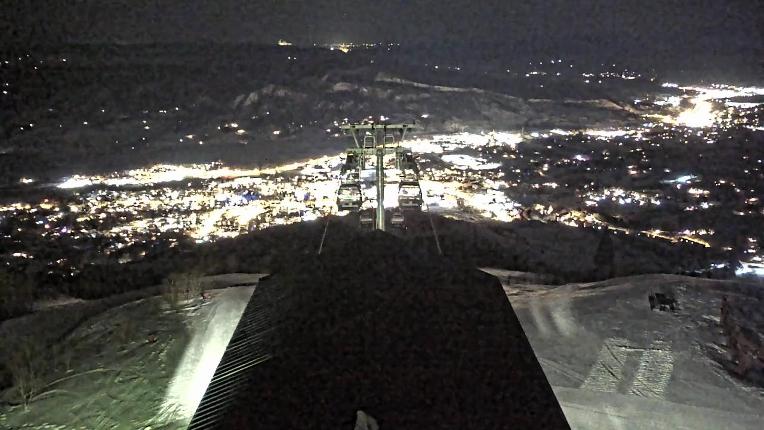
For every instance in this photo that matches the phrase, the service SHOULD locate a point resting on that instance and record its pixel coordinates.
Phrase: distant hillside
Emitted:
(106, 107)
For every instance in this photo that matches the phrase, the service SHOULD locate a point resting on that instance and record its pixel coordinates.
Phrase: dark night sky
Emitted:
(677, 26)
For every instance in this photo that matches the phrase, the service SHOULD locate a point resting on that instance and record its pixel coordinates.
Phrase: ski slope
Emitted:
(615, 364)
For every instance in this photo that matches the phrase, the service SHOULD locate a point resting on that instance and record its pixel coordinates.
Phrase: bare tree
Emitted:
(27, 365)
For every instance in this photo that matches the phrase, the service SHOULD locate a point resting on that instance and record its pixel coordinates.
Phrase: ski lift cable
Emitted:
(434, 231)
(429, 215)
(328, 218)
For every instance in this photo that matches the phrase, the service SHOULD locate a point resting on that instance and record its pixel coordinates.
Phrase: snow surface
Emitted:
(615, 364)
(118, 378)
(462, 161)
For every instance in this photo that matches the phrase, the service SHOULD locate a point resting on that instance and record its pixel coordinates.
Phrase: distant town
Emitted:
(631, 181)
(634, 180)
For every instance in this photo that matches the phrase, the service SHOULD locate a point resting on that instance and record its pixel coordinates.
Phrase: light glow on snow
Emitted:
(701, 114)
(462, 162)
(209, 340)
(607, 134)
(747, 268)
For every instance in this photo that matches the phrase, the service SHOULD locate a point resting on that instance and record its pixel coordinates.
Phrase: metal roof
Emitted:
(247, 348)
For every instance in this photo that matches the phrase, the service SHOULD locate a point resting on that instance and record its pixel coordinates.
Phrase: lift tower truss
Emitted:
(378, 140)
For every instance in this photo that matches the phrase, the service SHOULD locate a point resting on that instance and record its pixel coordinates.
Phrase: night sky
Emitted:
(676, 26)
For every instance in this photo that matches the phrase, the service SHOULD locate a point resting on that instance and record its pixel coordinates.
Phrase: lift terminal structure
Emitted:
(373, 141)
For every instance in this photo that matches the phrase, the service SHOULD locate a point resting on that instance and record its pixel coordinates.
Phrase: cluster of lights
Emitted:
(704, 103)
(622, 197)
(462, 176)
(346, 47)
(209, 201)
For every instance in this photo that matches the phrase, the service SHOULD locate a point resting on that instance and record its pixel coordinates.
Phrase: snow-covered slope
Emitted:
(141, 365)
(616, 364)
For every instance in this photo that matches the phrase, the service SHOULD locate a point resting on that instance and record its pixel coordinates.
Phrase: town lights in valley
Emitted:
(701, 114)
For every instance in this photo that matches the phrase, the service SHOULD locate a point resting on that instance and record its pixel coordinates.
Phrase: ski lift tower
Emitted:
(377, 140)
